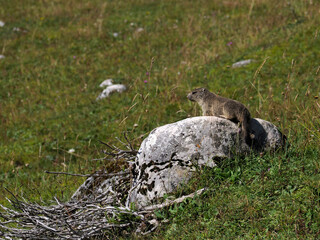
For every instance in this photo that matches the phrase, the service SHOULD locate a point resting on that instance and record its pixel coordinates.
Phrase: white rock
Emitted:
(71, 150)
(2, 56)
(110, 89)
(139, 30)
(242, 63)
(17, 29)
(107, 82)
(2, 23)
(115, 34)
(169, 155)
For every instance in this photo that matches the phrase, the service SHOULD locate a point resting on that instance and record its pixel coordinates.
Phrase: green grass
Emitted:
(51, 73)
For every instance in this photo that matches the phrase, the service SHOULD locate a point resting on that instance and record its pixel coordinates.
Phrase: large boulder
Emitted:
(170, 154)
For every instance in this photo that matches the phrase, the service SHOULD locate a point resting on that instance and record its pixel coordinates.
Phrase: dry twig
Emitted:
(85, 217)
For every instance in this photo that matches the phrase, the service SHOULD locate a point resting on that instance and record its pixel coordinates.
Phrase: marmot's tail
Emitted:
(246, 127)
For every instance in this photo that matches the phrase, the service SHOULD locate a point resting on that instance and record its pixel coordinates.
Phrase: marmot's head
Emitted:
(198, 94)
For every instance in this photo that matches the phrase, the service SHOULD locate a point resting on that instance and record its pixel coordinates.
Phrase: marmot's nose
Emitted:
(189, 96)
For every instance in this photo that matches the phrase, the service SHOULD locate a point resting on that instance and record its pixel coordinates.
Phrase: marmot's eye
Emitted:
(194, 92)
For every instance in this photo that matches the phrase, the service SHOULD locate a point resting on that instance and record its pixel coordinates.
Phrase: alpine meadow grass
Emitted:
(56, 53)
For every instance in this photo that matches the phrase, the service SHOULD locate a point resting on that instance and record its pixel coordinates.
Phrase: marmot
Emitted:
(215, 105)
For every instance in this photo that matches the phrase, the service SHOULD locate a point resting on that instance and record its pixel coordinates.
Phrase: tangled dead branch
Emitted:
(75, 220)
(91, 213)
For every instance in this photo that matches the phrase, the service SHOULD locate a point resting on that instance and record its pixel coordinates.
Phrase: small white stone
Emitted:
(2, 56)
(139, 30)
(2, 23)
(71, 150)
(115, 34)
(107, 82)
(242, 63)
(110, 89)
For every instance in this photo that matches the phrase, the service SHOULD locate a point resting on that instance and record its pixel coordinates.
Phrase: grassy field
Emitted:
(160, 50)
